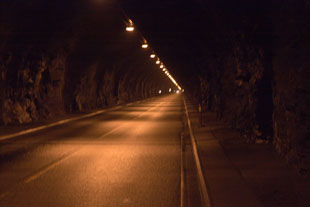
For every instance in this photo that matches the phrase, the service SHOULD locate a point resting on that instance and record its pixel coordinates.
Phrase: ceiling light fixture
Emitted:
(144, 46)
(130, 29)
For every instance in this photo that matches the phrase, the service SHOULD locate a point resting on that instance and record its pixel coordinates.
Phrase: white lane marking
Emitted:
(64, 158)
(203, 188)
(5, 137)
(51, 166)
(182, 174)
(67, 156)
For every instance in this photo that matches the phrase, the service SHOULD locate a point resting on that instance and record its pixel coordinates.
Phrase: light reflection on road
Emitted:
(128, 157)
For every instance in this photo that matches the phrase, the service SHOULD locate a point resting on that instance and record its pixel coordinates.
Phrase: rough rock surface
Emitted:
(257, 76)
(55, 60)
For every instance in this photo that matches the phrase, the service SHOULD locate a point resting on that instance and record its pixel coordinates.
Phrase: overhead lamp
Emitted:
(164, 69)
(161, 66)
(157, 62)
(130, 29)
(145, 45)
(152, 56)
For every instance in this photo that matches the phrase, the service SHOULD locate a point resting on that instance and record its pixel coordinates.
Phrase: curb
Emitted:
(202, 183)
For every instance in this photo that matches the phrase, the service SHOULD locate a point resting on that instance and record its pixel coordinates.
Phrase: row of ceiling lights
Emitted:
(130, 28)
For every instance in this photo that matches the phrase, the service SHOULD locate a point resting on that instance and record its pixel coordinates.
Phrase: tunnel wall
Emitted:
(255, 74)
(58, 57)
(248, 61)
(291, 88)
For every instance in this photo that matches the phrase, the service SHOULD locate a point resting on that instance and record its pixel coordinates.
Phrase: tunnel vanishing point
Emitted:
(247, 61)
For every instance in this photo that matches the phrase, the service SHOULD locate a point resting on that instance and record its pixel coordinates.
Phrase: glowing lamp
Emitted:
(157, 62)
(152, 56)
(144, 45)
(161, 66)
(130, 29)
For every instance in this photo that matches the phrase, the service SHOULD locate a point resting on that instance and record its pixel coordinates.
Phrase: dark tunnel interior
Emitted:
(247, 61)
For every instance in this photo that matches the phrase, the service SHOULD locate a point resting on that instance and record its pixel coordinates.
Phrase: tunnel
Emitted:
(245, 63)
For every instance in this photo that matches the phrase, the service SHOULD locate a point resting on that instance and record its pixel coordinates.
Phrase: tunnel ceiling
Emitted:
(186, 33)
(173, 28)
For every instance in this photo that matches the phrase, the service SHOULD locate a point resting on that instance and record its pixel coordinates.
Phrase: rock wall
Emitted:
(58, 57)
(32, 87)
(257, 77)
(291, 65)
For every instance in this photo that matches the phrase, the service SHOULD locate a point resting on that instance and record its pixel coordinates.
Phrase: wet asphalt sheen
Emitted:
(126, 157)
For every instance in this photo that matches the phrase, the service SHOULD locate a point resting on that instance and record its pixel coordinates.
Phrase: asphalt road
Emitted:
(126, 157)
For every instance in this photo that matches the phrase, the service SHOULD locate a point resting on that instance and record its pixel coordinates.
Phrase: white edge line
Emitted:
(182, 175)
(203, 187)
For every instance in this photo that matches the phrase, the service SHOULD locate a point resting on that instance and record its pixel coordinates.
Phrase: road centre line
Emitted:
(54, 164)
(51, 166)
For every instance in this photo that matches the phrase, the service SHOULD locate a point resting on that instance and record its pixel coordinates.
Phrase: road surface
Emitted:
(126, 157)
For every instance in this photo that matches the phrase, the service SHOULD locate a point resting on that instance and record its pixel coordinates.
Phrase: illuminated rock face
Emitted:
(39, 86)
(57, 58)
(25, 88)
